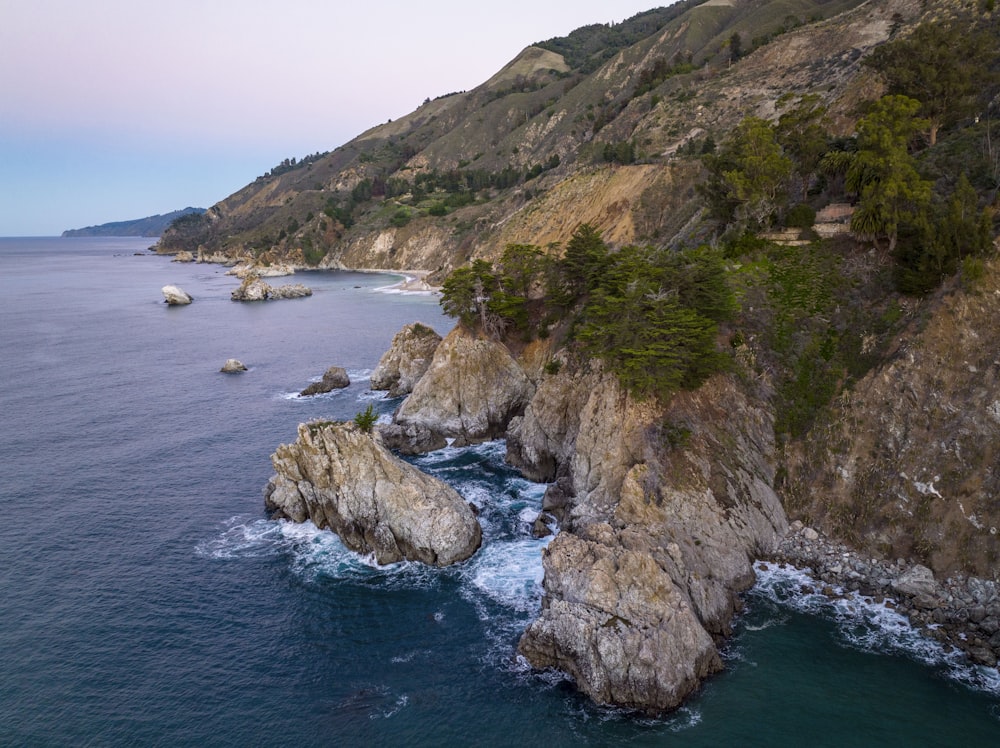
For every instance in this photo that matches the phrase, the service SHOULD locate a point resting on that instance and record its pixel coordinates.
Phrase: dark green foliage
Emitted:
(312, 254)
(400, 218)
(366, 419)
(748, 176)
(947, 68)
(587, 48)
(883, 173)
(583, 264)
(661, 70)
(802, 133)
(801, 216)
(937, 242)
(622, 152)
(438, 209)
(653, 318)
(466, 291)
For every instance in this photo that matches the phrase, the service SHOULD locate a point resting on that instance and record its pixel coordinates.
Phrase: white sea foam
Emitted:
(509, 573)
(868, 625)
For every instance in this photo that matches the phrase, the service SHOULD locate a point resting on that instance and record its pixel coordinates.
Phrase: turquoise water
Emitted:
(145, 598)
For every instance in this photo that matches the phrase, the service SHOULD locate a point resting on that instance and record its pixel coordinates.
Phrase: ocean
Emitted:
(146, 599)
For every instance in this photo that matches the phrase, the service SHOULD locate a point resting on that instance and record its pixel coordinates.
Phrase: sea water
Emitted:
(146, 599)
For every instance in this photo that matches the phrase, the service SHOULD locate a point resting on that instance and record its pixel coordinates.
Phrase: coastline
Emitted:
(961, 612)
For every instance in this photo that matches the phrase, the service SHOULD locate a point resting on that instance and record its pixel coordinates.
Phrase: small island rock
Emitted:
(343, 478)
(255, 289)
(174, 296)
(233, 366)
(334, 378)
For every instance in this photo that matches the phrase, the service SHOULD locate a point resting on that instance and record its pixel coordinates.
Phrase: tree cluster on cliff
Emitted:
(652, 315)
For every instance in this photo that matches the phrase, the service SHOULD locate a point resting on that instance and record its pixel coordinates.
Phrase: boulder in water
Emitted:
(174, 296)
(233, 366)
(334, 378)
(341, 477)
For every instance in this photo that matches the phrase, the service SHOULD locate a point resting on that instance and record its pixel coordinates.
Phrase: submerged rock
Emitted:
(233, 366)
(174, 296)
(342, 478)
(334, 378)
(407, 360)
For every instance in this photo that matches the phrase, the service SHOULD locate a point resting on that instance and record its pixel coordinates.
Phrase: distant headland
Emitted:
(149, 226)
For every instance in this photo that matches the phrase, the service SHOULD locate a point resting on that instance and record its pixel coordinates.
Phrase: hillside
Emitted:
(149, 226)
(469, 172)
(853, 223)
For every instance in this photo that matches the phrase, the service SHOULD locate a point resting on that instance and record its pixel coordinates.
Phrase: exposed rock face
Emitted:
(255, 289)
(906, 464)
(245, 269)
(183, 256)
(343, 478)
(233, 366)
(616, 622)
(408, 358)
(174, 296)
(334, 378)
(470, 392)
(544, 437)
(666, 510)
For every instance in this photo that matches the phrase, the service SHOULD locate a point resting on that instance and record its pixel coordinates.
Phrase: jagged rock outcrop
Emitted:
(667, 509)
(233, 366)
(183, 256)
(617, 623)
(255, 289)
(340, 477)
(408, 358)
(334, 378)
(470, 392)
(175, 296)
(544, 437)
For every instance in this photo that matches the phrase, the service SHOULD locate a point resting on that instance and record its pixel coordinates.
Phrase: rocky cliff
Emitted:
(340, 477)
(663, 511)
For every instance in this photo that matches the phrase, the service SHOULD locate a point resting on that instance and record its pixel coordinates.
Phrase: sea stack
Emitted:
(174, 296)
(341, 477)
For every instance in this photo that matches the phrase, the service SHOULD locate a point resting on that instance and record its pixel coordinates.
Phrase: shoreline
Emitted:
(961, 612)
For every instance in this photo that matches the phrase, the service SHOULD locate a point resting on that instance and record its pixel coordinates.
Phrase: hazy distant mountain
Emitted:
(149, 226)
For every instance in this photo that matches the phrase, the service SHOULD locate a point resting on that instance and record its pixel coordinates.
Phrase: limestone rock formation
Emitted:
(340, 477)
(665, 511)
(255, 289)
(334, 378)
(615, 620)
(408, 358)
(175, 296)
(183, 256)
(471, 391)
(233, 366)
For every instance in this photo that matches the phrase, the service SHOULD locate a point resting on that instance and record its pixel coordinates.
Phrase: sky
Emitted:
(117, 109)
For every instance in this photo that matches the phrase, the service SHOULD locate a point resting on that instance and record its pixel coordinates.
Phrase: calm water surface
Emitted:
(145, 599)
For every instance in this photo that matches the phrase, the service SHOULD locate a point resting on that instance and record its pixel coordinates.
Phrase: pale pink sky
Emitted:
(115, 109)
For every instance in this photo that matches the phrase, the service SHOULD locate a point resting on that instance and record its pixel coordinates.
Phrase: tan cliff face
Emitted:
(907, 463)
